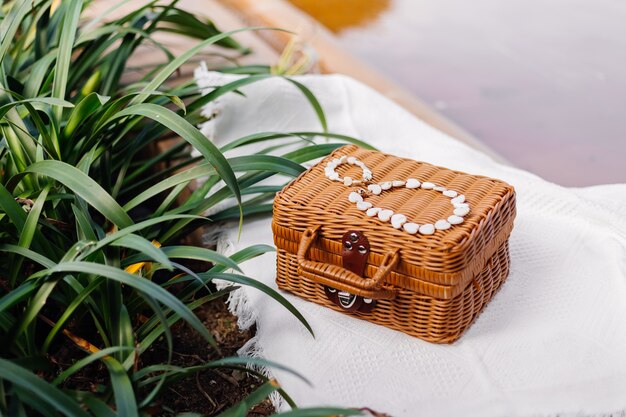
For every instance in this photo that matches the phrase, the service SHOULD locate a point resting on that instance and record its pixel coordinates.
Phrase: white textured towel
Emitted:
(551, 342)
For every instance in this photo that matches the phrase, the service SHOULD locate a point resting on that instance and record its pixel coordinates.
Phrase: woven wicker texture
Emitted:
(430, 319)
(429, 286)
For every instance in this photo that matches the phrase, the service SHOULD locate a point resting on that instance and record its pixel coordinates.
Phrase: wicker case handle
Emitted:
(342, 279)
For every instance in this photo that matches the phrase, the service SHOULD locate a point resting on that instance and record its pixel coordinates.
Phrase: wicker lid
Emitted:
(449, 258)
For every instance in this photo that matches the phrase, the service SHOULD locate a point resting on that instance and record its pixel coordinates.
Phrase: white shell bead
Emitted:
(363, 205)
(385, 215)
(373, 211)
(458, 199)
(461, 211)
(412, 183)
(355, 197)
(397, 225)
(455, 220)
(442, 225)
(411, 228)
(427, 229)
(375, 188)
(397, 220)
(398, 217)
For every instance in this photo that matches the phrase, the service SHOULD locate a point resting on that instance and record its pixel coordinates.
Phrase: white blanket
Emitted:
(551, 342)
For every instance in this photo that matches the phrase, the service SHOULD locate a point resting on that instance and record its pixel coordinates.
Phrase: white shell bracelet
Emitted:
(398, 220)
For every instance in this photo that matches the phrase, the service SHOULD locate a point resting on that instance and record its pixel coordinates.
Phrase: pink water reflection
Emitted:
(542, 83)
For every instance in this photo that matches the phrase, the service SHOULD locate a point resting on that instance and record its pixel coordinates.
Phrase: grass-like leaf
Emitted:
(258, 395)
(144, 246)
(192, 135)
(82, 185)
(78, 365)
(315, 104)
(66, 44)
(241, 279)
(142, 285)
(84, 196)
(46, 392)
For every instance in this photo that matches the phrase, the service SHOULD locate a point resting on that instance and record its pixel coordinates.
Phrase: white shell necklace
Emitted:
(398, 220)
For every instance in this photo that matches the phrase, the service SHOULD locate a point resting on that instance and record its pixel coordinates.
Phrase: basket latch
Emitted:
(355, 249)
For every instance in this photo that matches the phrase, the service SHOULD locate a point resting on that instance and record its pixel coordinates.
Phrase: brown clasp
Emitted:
(355, 249)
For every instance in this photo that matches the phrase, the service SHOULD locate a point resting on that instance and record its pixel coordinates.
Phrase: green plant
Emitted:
(89, 219)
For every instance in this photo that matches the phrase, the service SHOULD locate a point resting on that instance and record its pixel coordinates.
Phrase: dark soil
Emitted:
(212, 391)
(207, 392)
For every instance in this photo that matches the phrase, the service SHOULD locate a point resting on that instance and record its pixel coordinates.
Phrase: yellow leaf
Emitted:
(134, 268)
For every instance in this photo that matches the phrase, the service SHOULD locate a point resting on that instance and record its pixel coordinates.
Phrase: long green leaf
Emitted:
(45, 392)
(44, 100)
(144, 246)
(12, 209)
(80, 364)
(317, 107)
(28, 232)
(66, 46)
(248, 210)
(109, 239)
(154, 328)
(85, 108)
(189, 133)
(199, 171)
(140, 284)
(308, 135)
(173, 66)
(125, 400)
(246, 254)
(35, 304)
(226, 88)
(11, 23)
(241, 279)
(268, 163)
(16, 295)
(27, 253)
(189, 252)
(98, 407)
(76, 302)
(258, 395)
(82, 185)
(39, 70)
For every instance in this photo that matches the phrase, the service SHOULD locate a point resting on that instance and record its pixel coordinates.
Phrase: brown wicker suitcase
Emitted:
(405, 244)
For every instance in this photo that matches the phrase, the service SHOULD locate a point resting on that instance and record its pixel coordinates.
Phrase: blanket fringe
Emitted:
(239, 305)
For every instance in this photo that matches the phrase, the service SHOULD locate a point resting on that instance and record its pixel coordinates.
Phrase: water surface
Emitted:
(541, 82)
